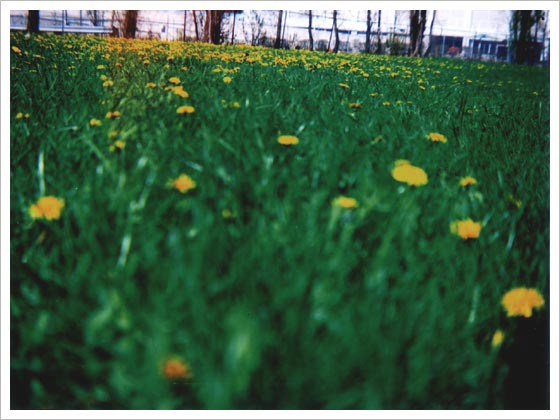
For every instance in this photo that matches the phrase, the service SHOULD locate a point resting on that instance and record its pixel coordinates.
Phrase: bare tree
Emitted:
(130, 21)
(255, 35)
(33, 21)
(417, 27)
(278, 40)
(195, 25)
(368, 32)
(310, 31)
(336, 37)
(213, 26)
(378, 49)
(430, 35)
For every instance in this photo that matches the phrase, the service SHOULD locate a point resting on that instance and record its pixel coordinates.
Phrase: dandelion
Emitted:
(355, 105)
(422, 87)
(185, 109)
(344, 86)
(174, 80)
(374, 94)
(146, 62)
(108, 83)
(403, 171)
(288, 140)
(184, 69)
(178, 90)
(345, 202)
(48, 207)
(437, 137)
(227, 79)
(118, 65)
(521, 302)
(466, 229)
(94, 122)
(183, 183)
(386, 103)
(150, 85)
(103, 77)
(114, 114)
(100, 67)
(175, 368)
(118, 145)
(19, 115)
(16, 50)
(469, 81)
(466, 181)
(498, 338)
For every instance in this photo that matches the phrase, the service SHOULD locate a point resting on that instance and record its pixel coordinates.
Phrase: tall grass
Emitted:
(272, 296)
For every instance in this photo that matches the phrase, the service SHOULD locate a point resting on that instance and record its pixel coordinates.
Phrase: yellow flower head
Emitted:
(151, 85)
(386, 103)
(288, 140)
(19, 115)
(174, 368)
(466, 229)
(466, 181)
(183, 183)
(114, 114)
(94, 122)
(48, 207)
(108, 83)
(100, 67)
(174, 80)
(16, 50)
(498, 338)
(345, 202)
(355, 105)
(185, 109)
(118, 145)
(521, 302)
(227, 79)
(178, 90)
(344, 86)
(437, 137)
(403, 171)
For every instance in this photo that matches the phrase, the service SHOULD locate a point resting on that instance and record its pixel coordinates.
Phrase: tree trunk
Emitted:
(310, 31)
(368, 32)
(336, 37)
(130, 20)
(195, 26)
(213, 26)
(378, 50)
(430, 36)
(279, 30)
(417, 27)
(33, 21)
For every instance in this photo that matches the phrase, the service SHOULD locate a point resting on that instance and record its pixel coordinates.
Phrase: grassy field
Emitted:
(183, 257)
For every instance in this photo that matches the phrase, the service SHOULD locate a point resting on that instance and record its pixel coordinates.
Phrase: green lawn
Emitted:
(270, 295)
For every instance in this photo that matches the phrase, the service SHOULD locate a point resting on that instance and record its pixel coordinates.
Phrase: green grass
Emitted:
(292, 303)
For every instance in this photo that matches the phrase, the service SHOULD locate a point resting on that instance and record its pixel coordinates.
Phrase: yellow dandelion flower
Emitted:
(108, 83)
(466, 181)
(19, 115)
(118, 145)
(422, 87)
(227, 79)
(288, 140)
(344, 86)
(345, 202)
(48, 207)
(374, 94)
(235, 104)
(437, 137)
(95, 122)
(386, 103)
(498, 338)
(146, 62)
(184, 69)
(355, 105)
(26, 116)
(150, 85)
(174, 80)
(16, 50)
(118, 65)
(100, 67)
(521, 302)
(114, 114)
(183, 183)
(466, 229)
(403, 171)
(103, 77)
(469, 81)
(175, 368)
(185, 109)
(178, 90)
